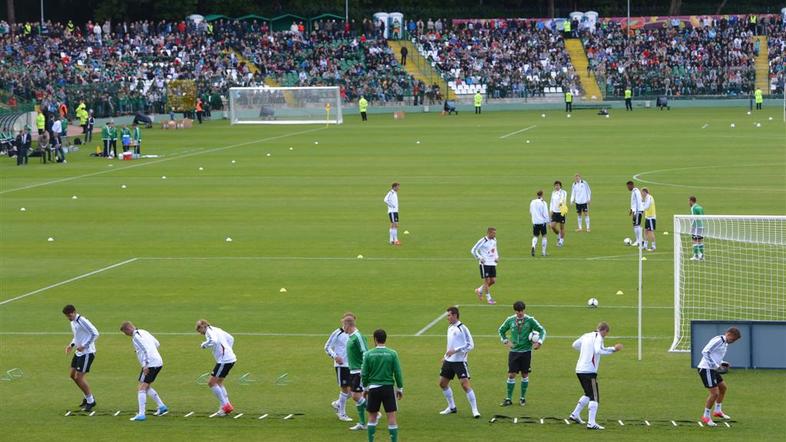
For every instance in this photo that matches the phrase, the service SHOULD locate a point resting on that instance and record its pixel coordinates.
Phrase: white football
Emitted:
(732, 125)
(534, 336)
(626, 241)
(592, 303)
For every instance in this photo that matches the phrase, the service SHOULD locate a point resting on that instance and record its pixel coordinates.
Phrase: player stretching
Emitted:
(697, 230)
(454, 363)
(635, 212)
(146, 347)
(381, 370)
(391, 200)
(485, 251)
(336, 348)
(356, 347)
(580, 194)
(84, 342)
(711, 360)
(648, 205)
(520, 326)
(559, 209)
(221, 342)
(590, 346)
(540, 218)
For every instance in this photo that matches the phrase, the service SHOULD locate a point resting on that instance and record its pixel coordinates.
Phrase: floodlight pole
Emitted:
(627, 26)
(346, 11)
(42, 14)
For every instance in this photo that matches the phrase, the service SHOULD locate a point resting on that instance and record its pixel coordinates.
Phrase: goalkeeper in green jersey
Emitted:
(356, 347)
(526, 334)
(697, 230)
(380, 372)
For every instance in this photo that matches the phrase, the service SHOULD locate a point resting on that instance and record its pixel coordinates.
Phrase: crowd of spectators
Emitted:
(717, 58)
(776, 42)
(513, 58)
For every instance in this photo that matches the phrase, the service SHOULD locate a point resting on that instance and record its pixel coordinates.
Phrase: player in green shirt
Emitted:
(697, 230)
(521, 345)
(381, 370)
(356, 347)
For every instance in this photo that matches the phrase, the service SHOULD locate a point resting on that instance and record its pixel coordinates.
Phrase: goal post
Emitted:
(285, 105)
(740, 273)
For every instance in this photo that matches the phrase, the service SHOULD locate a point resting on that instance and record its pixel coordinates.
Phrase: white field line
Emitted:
(307, 335)
(432, 323)
(517, 132)
(147, 163)
(638, 178)
(626, 257)
(75, 278)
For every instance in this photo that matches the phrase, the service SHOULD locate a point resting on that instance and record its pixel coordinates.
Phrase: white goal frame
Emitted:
(322, 113)
(680, 223)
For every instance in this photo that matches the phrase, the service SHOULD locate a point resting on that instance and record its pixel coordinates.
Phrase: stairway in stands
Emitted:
(580, 62)
(419, 67)
(763, 66)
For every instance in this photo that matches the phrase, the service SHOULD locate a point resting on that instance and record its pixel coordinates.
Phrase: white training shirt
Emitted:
(391, 199)
(591, 347)
(635, 200)
(85, 335)
(646, 203)
(485, 250)
(558, 197)
(580, 193)
(539, 211)
(221, 342)
(460, 341)
(336, 345)
(713, 353)
(57, 127)
(146, 347)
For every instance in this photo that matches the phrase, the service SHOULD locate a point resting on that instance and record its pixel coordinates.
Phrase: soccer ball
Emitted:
(732, 125)
(592, 303)
(534, 336)
(626, 241)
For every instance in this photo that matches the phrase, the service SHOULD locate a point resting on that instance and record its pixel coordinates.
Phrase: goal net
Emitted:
(285, 105)
(739, 274)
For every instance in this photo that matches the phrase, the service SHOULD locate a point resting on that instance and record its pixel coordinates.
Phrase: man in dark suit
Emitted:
(23, 141)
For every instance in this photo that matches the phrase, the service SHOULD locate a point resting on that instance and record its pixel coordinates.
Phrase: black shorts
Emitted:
(384, 396)
(488, 271)
(637, 219)
(393, 217)
(582, 208)
(539, 229)
(697, 233)
(519, 362)
(152, 373)
(342, 376)
(457, 369)
(355, 383)
(589, 383)
(649, 224)
(83, 363)
(222, 370)
(557, 217)
(710, 378)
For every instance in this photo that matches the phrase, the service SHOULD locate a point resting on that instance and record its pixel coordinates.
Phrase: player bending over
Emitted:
(146, 347)
(221, 342)
(454, 363)
(711, 361)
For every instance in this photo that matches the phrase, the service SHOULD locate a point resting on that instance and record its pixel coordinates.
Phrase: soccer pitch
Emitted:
(155, 253)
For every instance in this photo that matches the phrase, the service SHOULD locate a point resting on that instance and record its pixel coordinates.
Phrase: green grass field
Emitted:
(300, 217)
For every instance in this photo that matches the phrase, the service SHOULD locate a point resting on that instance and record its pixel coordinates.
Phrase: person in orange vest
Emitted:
(199, 110)
(63, 109)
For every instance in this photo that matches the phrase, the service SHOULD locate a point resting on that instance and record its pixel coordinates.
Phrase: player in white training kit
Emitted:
(590, 346)
(221, 343)
(559, 208)
(636, 212)
(485, 251)
(711, 362)
(454, 363)
(391, 200)
(84, 344)
(146, 347)
(581, 195)
(540, 219)
(336, 349)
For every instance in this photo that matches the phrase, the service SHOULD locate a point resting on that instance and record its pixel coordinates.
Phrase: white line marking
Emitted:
(175, 157)
(674, 423)
(308, 335)
(289, 416)
(68, 413)
(515, 420)
(214, 414)
(431, 324)
(190, 413)
(517, 132)
(541, 421)
(76, 278)
(263, 416)
(92, 413)
(565, 306)
(238, 416)
(117, 413)
(638, 176)
(727, 424)
(566, 422)
(621, 424)
(700, 424)
(366, 258)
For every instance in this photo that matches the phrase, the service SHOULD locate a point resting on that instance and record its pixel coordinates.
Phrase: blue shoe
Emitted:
(162, 410)
(139, 418)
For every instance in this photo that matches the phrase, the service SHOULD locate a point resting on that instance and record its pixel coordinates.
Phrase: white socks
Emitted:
(579, 218)
(219, 392)
(718, 408)
(543, 243)
(393, 234)
(472, 401)
(637, 231)
(342, 403)
(226, 395)
(586, 219)
(390, 235)
(534, 241)
(583, 401)
(154, 395)
(448, 393)
(707, 413)
(593, 411)
(90, 399)
(141, 397)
